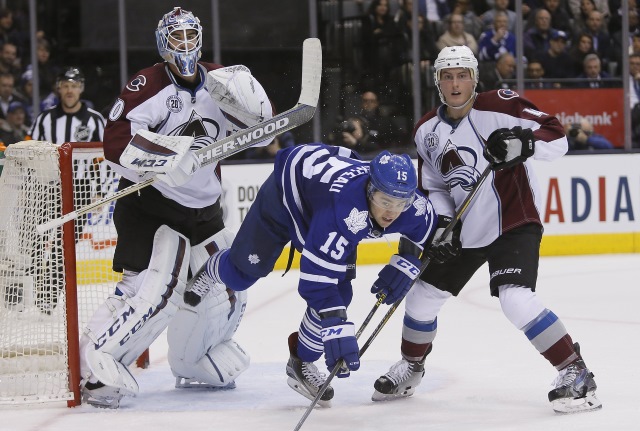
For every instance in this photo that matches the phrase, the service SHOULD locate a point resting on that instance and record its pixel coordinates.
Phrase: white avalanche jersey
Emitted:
(450, 161)
(154, 101)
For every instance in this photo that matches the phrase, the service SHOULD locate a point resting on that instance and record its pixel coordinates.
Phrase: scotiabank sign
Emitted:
(602, 107)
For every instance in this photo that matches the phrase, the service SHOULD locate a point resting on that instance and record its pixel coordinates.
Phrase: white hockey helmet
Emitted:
(452, 57)
(175, 44)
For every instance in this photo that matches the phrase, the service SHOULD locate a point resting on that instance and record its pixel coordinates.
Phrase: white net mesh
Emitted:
(34, 365)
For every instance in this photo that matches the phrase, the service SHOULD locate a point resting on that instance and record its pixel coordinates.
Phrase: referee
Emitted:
(71, 120)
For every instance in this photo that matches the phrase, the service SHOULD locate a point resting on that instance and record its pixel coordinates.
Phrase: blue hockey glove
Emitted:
(396, 278)
(508, 147)
(340, 342)
(443, 250)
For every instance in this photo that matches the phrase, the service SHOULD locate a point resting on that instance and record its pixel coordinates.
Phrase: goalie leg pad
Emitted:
(111, 372)
(218, 368)
(125, 327)
(195, 331)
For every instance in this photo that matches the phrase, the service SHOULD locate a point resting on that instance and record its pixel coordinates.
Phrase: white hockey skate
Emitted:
(305, 378)
(101, 396)
(400, 381)
(186, 383)
(574, 389)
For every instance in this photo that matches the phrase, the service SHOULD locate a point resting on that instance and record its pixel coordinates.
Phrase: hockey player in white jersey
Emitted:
(502, 226)
(325, 201)
(167, 230)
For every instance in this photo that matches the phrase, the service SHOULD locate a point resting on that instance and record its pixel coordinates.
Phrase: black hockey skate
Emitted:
(400, 381)
(304, 377)
(574, 388)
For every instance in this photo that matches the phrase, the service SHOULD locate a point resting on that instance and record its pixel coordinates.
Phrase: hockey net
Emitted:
(51, 284)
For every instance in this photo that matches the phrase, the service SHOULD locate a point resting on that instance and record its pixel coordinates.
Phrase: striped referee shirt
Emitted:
(54, 125)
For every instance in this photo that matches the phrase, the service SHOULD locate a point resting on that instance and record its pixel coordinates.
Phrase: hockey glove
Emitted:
(442, 250)
(396, 277)
(183, 172)
(338, 337)
(508, 147)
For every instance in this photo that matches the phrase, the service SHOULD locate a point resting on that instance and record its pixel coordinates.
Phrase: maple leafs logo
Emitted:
(253, 259)
(357, 220)
(420, 204)
(384, 159)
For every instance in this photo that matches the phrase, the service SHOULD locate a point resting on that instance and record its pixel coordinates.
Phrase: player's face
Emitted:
(456, 85)
(182, 40)
(385, 209)
(70, 92)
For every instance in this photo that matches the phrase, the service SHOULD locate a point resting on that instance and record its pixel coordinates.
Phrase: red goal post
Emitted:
(51, 284)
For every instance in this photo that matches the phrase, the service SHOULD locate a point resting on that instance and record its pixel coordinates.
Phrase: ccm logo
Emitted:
(408, 266)
(330, 331)
(149, 163)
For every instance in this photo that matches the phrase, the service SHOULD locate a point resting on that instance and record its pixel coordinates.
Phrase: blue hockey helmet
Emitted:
(179, 39)
(393, 175)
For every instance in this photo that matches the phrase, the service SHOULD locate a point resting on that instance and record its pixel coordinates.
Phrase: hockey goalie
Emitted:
(166, 232)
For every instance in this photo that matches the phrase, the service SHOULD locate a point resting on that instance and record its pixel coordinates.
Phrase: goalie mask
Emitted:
(179, 39)
(453, 57)
(395, 177)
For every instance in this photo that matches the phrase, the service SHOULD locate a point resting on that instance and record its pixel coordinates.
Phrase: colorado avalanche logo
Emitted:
(431, 141)
(507, 94)
(137, 82)
(454, 170)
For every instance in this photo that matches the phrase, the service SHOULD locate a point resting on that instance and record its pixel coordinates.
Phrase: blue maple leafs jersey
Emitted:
(324, 191)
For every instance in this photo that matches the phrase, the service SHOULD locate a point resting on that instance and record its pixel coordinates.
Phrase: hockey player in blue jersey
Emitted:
(325, 200)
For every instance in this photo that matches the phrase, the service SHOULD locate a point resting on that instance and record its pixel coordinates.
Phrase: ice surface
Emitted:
(482, 375)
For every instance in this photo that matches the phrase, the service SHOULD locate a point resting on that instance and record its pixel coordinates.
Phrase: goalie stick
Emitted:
(301, 113)
(458, 216)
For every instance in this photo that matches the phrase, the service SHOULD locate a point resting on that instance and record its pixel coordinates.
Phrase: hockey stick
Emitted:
(458, 216)
(302, 112)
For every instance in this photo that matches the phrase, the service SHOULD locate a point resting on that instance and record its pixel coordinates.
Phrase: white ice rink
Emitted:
(483, 374)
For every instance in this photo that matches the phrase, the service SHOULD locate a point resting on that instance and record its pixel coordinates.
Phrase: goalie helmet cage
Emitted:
(51, 284)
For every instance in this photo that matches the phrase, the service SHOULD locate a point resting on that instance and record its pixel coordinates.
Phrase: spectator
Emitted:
(498, 40)
(578, 51)
(9, 61)
(593, 74)
(634, 97)
(456, 36)
(7, 95)
(435, 11)
(353, 133)
(472, 23)
(617, 35)
(581, 137)
(382, 43)
(535, 76)
(428, 49)
(47, 69)
(556, 61)
(493, 75)
(13, 128)
(601, 39)
(585, 7)
(577, 7)
(25, 93)
(536, 39)
(8, 32)
(382, 131)
(560, 19)
(499, 6)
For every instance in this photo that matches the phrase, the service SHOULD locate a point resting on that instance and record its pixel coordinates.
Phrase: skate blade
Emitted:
(379, 396)
(296, 386)
(577, 405)
(184, 383)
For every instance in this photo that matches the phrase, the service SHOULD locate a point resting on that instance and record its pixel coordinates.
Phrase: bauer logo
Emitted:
(225, 148)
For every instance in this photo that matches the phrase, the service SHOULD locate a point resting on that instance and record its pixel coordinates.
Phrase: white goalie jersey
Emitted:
(156, 101)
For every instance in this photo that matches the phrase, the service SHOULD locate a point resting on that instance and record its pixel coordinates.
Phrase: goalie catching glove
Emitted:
(396, 278)
(239, 95)
(338, 337)
(508, 147)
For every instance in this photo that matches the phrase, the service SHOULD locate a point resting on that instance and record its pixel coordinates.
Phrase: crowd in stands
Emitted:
(567, 44)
